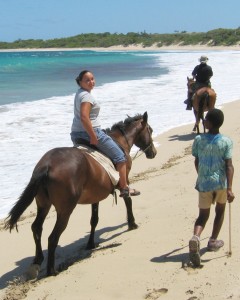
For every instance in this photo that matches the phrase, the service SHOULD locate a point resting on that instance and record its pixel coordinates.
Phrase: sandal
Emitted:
(194, 254)
(215, 245)
(129, 192)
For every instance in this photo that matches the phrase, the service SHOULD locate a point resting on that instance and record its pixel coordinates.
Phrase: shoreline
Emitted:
(135, 48)
(139, 168)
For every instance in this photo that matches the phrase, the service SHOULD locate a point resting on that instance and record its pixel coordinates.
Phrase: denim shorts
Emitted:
(105, 144)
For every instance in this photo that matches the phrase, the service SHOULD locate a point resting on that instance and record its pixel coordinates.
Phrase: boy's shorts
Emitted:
(207, 198)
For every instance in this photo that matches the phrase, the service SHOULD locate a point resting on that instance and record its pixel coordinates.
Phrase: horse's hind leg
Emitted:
(93, 222)
(196, 125)
(37, 233)
(130, 218)
(60, 226)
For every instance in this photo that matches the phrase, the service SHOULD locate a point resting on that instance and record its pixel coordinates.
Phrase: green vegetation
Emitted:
(217, 37)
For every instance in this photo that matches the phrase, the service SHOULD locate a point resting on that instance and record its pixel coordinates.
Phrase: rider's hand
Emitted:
(93, 140)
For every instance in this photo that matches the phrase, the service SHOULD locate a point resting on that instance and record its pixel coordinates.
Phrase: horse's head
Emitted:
(134, 131)
(143, 139)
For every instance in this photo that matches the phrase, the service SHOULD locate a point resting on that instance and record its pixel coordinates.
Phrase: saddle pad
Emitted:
(104, 161)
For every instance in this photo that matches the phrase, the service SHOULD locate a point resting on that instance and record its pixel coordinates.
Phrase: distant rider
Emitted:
(202, 74)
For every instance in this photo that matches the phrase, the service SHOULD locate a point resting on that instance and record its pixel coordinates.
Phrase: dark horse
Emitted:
(203, 100)
(65, 177)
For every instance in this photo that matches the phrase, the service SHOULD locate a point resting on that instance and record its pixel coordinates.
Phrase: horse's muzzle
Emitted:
(151, 152)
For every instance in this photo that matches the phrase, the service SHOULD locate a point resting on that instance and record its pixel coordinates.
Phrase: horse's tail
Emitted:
(26, 198)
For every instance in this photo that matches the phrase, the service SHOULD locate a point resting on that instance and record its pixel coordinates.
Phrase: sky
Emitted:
(49, 19)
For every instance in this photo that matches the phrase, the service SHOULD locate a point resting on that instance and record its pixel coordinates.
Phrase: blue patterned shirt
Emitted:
(212, 150)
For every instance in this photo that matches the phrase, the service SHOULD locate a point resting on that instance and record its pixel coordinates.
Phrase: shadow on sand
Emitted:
(65, 256)
(183, 138)
(182, 258)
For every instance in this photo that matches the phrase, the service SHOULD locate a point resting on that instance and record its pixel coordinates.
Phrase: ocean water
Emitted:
(37, 91)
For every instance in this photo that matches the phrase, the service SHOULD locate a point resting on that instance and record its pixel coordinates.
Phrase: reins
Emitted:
(143, 151)
(124, 134)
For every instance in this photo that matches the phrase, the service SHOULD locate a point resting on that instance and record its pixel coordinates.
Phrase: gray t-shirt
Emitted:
(80, 97)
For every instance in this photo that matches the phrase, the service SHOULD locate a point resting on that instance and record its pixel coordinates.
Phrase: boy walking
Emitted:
(213, 163)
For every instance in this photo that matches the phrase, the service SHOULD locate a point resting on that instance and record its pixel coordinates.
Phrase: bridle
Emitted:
(143, 150)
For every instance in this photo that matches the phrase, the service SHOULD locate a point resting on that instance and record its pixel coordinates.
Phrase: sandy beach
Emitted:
(150, 262)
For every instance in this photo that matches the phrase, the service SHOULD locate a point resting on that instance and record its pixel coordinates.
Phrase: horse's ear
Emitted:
(187, 78)
(145, 117)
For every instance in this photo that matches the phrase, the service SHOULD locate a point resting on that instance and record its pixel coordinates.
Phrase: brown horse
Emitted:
(65, 177)
(203, 100)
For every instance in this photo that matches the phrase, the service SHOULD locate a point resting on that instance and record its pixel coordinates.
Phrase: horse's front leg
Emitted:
(93, 222)
(130, 218)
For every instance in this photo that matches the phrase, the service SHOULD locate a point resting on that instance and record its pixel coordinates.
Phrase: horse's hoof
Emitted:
(132, 226)
(32, 272)
(52, 272)
(91, 246)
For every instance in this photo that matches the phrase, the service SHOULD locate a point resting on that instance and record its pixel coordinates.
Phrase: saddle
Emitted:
(84, 142)
(101, 158)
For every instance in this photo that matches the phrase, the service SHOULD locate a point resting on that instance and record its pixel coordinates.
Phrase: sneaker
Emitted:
(194, 254)
(215, 245)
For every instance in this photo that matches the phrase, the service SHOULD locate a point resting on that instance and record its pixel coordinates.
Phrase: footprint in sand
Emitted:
(156, 293)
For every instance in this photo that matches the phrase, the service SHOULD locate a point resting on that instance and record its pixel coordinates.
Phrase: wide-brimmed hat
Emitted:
(203, 59)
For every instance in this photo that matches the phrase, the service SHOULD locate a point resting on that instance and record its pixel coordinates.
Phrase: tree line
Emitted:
(216, 37)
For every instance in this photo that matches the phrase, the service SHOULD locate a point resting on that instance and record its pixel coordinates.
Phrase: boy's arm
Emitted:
(196, 163)
(229, 174)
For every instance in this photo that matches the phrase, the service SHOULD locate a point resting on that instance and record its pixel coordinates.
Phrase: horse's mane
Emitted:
(124, 124)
